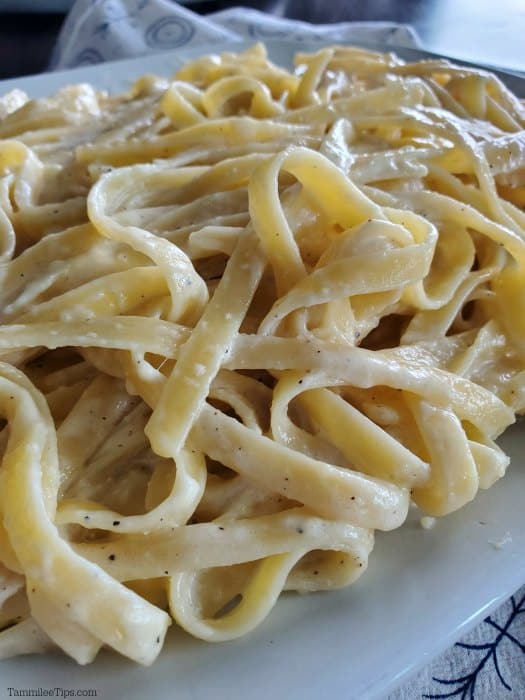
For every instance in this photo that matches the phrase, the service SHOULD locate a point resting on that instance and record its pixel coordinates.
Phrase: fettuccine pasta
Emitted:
(248, 316)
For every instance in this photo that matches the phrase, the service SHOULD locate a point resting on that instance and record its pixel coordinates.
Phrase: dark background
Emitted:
(485, 31)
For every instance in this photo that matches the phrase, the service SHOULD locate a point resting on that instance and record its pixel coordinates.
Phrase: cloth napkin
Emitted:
(489, 663)
(105, 30)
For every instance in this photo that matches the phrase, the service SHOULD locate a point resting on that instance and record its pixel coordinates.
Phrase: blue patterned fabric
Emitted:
(488, 663)
(105, 30)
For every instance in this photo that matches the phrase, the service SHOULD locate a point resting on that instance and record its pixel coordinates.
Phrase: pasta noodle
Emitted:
(248, 316)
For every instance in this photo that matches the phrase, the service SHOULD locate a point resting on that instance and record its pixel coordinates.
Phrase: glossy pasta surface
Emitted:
(247, 317)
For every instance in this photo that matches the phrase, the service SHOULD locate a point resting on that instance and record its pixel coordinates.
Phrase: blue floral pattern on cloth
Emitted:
(489, 662)
(88, 57)
(115, 29)
(169, 33)
(485, 654)
(115, 13)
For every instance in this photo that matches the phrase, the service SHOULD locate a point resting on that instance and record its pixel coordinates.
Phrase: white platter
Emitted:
(423, 589)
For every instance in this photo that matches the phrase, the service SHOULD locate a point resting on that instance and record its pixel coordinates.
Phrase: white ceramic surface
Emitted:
(423, 588)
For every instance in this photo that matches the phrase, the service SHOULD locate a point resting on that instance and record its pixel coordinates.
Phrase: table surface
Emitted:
(484, 31)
